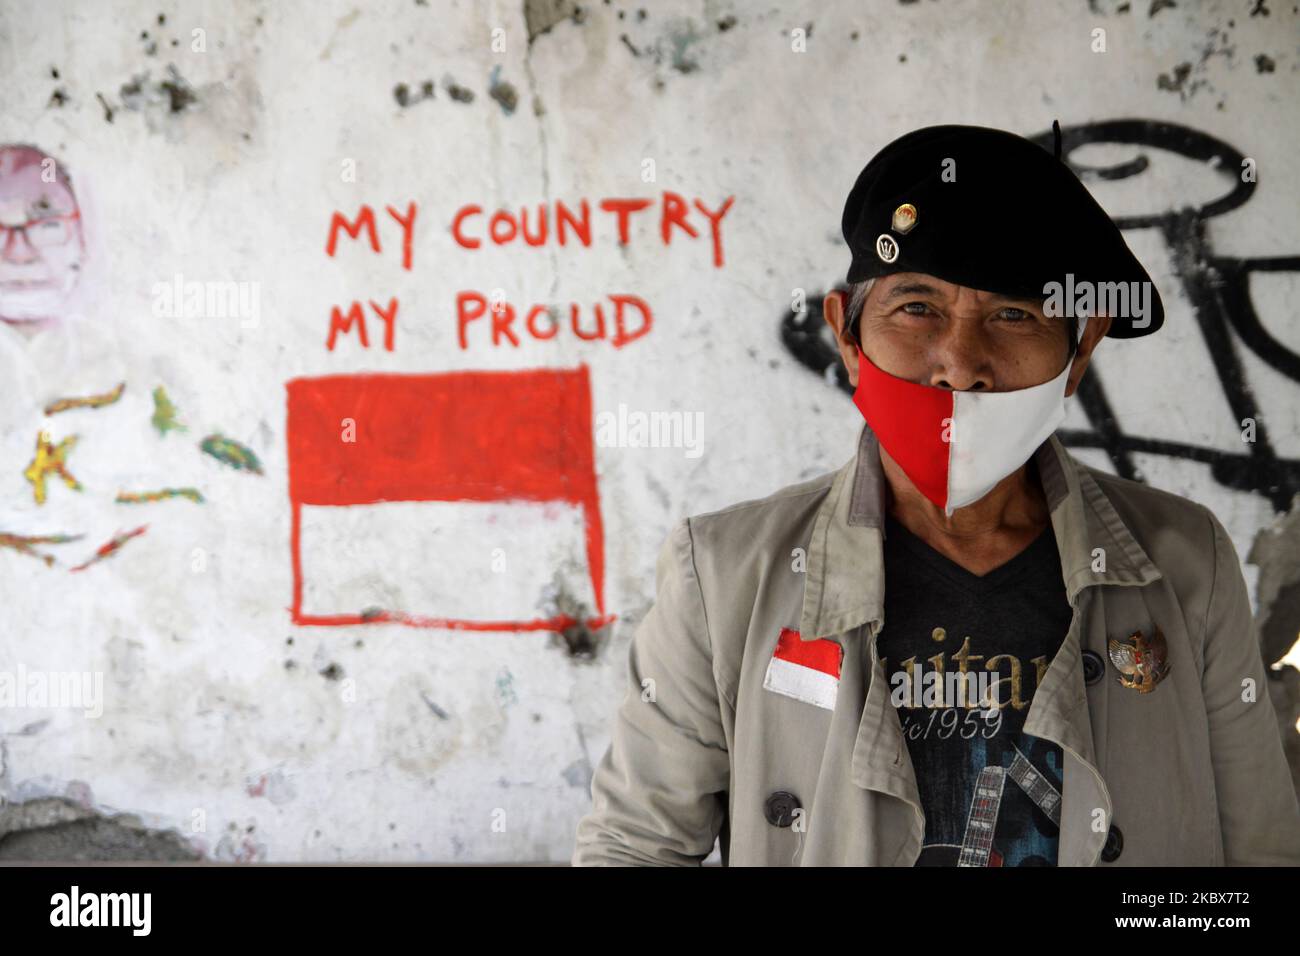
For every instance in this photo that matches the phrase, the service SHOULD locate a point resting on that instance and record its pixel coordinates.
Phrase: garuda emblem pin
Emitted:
(1140, 661)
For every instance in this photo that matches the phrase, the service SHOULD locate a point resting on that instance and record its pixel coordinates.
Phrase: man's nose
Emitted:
(17, 248)
(960, 360)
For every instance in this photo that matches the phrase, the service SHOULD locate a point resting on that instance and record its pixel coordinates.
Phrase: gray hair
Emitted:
(857, 299)
(858, 291)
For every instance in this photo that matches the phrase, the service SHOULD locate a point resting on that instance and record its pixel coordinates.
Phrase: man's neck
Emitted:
(982, 535)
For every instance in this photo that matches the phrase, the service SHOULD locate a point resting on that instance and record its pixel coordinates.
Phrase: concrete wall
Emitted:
(352, 710)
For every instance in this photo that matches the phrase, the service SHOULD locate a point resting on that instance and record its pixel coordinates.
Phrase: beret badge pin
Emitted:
(1140, 662)
(886, 247)
(904, 219)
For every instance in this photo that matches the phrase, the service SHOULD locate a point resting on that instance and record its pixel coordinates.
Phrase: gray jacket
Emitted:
(1191, 773)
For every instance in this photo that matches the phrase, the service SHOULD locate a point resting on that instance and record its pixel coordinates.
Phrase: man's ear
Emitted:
(1093, 333)
(834, 312)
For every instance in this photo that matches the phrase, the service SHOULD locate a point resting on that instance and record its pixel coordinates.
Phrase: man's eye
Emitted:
(1015, 315)
(921, 305)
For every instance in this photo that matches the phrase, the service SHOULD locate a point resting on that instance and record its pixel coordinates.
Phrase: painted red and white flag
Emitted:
(805, 670)
(442, 500)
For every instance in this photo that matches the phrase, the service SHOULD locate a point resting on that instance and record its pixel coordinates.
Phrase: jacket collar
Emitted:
(845, 583)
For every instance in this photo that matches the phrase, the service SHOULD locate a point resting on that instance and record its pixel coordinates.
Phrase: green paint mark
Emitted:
(506, 687)
(164, 413)
(232, 453)
(143, 497)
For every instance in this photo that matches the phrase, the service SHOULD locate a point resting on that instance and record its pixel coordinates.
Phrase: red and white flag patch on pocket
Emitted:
(805, 670)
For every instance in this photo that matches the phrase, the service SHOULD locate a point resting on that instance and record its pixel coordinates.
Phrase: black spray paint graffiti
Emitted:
(1218, 288)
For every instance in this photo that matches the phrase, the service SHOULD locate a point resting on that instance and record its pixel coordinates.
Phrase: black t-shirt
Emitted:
(990, 792)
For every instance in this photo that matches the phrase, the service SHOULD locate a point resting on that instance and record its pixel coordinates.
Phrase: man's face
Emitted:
(41, 245)
(932, 332)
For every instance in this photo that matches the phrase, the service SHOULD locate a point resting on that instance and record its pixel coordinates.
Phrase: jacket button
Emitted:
(1094, 668)
(1114, 845)
(780, 807)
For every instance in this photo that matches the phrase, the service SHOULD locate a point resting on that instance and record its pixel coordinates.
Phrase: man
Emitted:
(42, 246)
(1063, 670)
(44, 258)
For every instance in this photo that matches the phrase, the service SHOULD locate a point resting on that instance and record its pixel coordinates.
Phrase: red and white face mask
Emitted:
(955, 446)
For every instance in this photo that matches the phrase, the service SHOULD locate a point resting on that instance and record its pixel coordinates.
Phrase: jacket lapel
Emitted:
(1096, 548)
(844, 586)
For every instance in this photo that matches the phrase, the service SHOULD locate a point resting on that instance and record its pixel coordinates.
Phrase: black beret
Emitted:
(988, 209)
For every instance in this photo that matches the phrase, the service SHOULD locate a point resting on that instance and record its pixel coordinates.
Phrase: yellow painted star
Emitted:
(50, 459)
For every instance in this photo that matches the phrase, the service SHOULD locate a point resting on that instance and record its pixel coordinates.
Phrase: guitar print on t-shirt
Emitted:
(964, 654)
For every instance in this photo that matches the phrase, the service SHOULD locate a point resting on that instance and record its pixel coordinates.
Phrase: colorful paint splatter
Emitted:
(49, 460)
(164, 413)
(111, 547)
(23, 543)
(144, 497)
(232, 453)
(91, 401)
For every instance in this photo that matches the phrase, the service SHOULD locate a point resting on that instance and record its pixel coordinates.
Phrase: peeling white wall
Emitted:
(265, 740)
